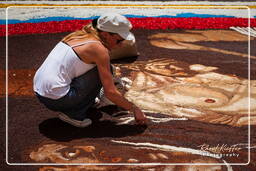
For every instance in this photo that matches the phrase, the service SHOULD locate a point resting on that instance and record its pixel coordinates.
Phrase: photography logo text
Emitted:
(220, 150)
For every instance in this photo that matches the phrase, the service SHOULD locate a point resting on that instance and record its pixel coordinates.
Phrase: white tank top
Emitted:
(54, 76)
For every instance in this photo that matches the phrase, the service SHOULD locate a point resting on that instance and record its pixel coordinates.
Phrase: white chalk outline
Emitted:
(61, 164)
(184, 3)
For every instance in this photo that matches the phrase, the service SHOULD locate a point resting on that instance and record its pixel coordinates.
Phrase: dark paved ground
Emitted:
(31, 125)
(161, 0)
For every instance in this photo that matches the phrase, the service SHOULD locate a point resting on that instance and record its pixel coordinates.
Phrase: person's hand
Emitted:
(139, 116)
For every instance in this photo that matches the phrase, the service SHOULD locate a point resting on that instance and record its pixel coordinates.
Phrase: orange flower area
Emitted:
(58, 153)
(20, 82)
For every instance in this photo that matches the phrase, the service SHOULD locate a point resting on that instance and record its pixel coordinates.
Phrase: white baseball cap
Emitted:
(116, 23)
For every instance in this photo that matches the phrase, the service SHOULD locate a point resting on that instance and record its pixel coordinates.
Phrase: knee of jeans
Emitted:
(112, 69)
(48, 105)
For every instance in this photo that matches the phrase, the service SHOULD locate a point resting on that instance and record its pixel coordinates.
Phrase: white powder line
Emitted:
(129, 119)
(171, 148)
(158, 120)
(120, 112)
(179, 111)
(187, 3)
(245, 30)
(125, 120)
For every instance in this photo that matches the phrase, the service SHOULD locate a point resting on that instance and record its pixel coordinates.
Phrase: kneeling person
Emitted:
(78, 67)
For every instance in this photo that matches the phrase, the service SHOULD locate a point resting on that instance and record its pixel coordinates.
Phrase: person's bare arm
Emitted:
(102, 60)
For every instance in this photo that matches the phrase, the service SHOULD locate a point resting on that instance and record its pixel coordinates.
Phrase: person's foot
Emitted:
(84, 123)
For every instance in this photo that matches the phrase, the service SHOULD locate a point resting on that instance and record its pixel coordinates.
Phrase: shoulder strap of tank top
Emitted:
(90, 41)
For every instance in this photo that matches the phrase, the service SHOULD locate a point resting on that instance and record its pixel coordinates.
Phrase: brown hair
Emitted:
(87, 31)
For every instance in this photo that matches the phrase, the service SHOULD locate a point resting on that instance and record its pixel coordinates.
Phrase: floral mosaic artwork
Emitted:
(198, 112)
(169, 91)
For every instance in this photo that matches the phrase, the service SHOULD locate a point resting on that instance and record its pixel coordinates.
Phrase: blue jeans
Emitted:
(81, 96)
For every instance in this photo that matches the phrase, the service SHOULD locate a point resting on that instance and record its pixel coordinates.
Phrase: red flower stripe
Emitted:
(190, 23)
(138, 23)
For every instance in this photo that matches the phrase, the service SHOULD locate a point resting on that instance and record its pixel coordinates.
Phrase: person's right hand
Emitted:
(140, 117)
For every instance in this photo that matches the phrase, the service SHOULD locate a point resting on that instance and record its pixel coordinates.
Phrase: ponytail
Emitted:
(86, 31)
